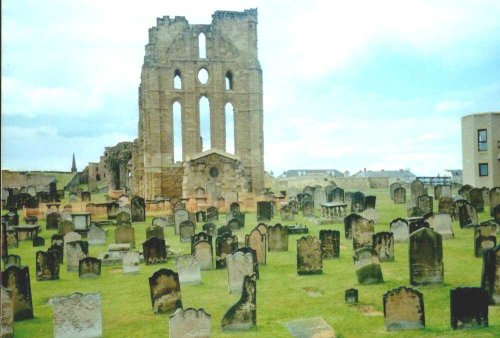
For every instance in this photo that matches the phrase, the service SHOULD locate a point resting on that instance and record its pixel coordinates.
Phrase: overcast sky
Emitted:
(347, 84)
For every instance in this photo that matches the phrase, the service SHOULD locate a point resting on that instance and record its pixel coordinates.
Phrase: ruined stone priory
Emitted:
(185, 64)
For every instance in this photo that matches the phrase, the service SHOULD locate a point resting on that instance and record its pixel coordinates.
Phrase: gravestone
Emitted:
(122, 217)
(370, 202)
(38, 241)
(155, 231)
(383, 245)
(60, 251)
(277, 237)
(437, 191)
(201, 236)
(7, 313)
(47, 265)
(417, 189)
(357, 202)
(257, 241)
(234, 224)
(160, 221)
(425, 203)
(262, 228)
(57, 239)
(351, 296)
(403, 309)
(96, 236)
(86, 197)
(77, 315)
(426, 258)
(189, 323)
(81, 220)
(371, 215)
(65, 226)
(210, 229)
(52, 220)
(212, 214)
(392, 189)
(17, 279)
(485, 237)
(446, 191)
(73, 197)
(337, 195)
(180, 215)
(362, 233)
(309, 261)
(224, 245)
(486, 195)
(187, 230)
(125, 234)
(310, 328)
(12, 260)
(203, 251)
(188, 268)
(348, 221)
(494, 195)
(243, 314)
(70, 237)
(367, 266)
(489, 276)
(330, 243)
(251, 251)
(224, 230)
(130, 262)
(138, 209)
(11, 237)
(89, 267)
(33, 220)
(417, 224)
(443, 225)
(239, 265)
(308, 209)
(319, 197)
(201, 216)
(165, 291)
(467, 215)
(468, 307)
(445, 205)
(154, 251)
(476, 199)
(75, 251)
(286, 213)
(400, 230)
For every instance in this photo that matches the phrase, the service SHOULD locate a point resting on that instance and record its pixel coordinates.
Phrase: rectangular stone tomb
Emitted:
(243, 314)
(89, 267)
(188, 268)
(165, 291)
(309, 259)
(77, 315)
(189, 323)
(310, 328)
(468, 307)
(367, 265)
(403, 309)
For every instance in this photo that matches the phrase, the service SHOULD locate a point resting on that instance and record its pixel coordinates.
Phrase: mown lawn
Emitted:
(282, 295)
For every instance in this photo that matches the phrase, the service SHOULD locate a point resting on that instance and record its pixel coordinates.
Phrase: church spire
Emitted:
(73, 166)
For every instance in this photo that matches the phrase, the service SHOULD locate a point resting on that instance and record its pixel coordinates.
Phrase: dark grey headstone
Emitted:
(17, 279)
(47, 265)
(468, 307)
(154, 251)
(426, 257)
(89, 267)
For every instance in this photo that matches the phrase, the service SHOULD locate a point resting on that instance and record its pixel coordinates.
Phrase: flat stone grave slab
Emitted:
(309, 328)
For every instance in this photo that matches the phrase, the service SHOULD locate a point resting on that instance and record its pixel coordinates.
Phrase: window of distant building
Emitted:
(483, 169)
(482, 139)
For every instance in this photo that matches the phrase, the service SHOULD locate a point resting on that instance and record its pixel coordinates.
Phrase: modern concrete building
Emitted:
(481, 149)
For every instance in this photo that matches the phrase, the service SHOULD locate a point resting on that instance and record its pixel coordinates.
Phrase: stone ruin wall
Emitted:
(173, 48)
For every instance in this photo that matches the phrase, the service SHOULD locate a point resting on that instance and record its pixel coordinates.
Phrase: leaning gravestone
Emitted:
(426, 257)
(491, 271)
(277, 237)
(309, 261)
(180, 215)
(257, 241)
(239, 265)
(367, 266)
(155, 231)
(468, 307)
(243, 314)
(264, 211)
(138, 209)
(154, 251)
(403, 309)
(400, 230)
(224, 245)
(203, 251)
(330, 243)
(75, 251)
(130, 262)
(77, 315)
(443, 225)
(125, 234)
(362, 233)
(467, 215)
(476, 199)
(383, 244)
(96, 236)
(348, 221)
(47, 265)
(89, 267)
(485, 237)
(7, 313)
(189, 323)
(165, 291)
(17, 279)
(188, 268)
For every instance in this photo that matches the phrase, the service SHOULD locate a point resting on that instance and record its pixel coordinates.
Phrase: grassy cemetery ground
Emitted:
(282, 295)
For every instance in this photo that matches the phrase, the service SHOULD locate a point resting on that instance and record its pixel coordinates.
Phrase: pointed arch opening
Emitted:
(202, 46)
(229, 113)
(177, 130)
(177, 79)
(229, 81)
(204, 110)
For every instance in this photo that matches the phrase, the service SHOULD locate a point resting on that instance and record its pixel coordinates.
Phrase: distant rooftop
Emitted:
(403, 174)
(311, 172)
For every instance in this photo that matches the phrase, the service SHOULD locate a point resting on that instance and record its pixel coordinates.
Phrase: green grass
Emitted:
(281, 294)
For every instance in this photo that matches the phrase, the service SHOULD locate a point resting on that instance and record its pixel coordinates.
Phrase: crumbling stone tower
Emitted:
(177, 57)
